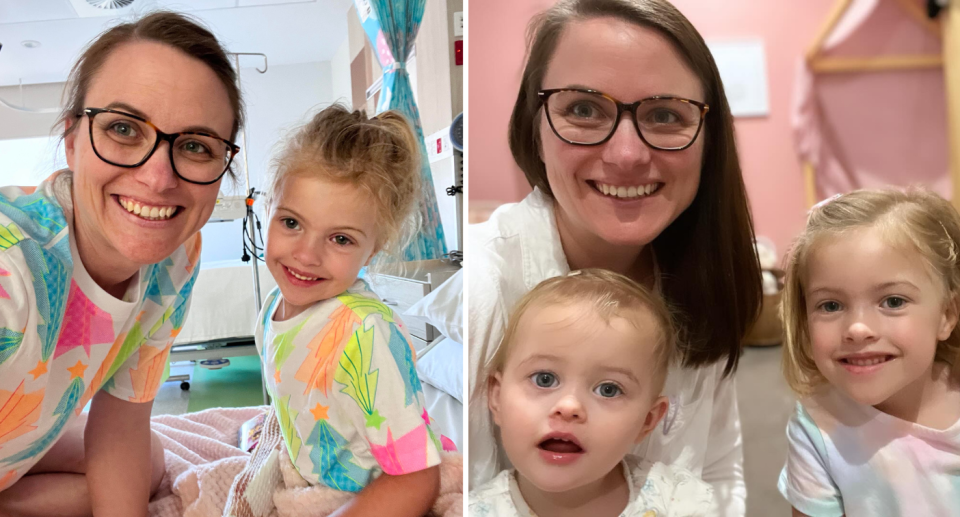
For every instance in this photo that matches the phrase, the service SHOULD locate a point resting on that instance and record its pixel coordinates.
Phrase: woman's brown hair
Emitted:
(709, 267)
(169, 28)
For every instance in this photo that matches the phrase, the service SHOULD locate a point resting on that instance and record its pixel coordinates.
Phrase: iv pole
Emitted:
(251, 194)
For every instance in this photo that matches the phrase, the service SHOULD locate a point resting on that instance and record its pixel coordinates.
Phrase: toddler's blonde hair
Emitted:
(378, 155)
(610, 295)
(916, 220)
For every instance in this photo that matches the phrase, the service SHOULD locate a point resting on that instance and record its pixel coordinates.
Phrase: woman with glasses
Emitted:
(622, 128)
(97, 265)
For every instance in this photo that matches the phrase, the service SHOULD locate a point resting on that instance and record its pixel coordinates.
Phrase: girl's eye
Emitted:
(290, 223)
(544, 379)
(830, 306)
(663, 116)
(583, 110)
(608, 390)
(342, 240)
(893, 302)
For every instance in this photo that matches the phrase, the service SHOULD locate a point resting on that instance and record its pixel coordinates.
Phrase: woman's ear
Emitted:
(69, 141)
(654, 415)
(493, 396)
(949, 319)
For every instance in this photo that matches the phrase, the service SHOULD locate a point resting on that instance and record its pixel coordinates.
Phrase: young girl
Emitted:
(870, 311)
(574, 385)
(338, 362)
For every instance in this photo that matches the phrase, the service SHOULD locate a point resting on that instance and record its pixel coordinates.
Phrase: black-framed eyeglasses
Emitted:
(126, 140)
(588, 117)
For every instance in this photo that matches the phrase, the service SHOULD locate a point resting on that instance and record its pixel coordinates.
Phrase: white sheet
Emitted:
(447, 412)
(223, 306)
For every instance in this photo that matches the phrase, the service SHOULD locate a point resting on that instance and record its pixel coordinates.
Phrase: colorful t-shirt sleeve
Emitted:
(13, 310)
(140, 372)
(805, 480)
(380, 392)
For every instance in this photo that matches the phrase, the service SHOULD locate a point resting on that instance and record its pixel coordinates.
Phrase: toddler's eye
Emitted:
(544, 379)
(290, 223)
(342, 240)
(830, 306)
(608, 390)
(893, 302)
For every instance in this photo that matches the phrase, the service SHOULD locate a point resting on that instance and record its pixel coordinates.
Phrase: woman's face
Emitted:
(629, 63)
(175, 92)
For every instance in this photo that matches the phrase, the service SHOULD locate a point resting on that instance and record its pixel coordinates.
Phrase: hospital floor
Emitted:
(766, 404)
(236, 385)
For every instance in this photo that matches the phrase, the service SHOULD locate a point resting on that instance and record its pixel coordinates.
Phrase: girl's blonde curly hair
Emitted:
(379, 155)
(916, 220)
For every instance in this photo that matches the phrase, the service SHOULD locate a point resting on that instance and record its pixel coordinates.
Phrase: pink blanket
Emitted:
(203, 461)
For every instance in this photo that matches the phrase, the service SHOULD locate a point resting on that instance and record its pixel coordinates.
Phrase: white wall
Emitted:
(277, 102)
(340, 72)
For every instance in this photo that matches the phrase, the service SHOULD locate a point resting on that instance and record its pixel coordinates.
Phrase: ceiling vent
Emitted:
(110, 4)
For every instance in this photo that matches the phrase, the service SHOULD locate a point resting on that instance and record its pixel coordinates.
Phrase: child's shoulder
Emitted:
(363, 302)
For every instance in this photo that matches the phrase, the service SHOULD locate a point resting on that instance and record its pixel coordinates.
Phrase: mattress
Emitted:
(222, 306)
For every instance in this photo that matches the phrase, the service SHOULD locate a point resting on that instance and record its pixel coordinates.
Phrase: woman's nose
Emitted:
(625, 149)
(157, 173)
(569, 408)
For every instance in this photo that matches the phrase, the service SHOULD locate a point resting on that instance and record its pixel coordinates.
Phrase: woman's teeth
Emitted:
(302, 277)
(627, 192)
(153, 213)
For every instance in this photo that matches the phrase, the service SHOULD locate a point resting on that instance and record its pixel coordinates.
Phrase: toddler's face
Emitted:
(875, 315)
(575, 395)
(319, 236)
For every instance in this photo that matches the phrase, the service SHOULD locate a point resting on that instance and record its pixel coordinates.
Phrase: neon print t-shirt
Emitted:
(845, 458)
(62, 337)
(346, 390)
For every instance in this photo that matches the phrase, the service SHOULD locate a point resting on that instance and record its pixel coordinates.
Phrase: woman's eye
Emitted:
(893, 302)
(342, 240)
(544, 379)
(830, 306)
(608, 390)
(123, 129)
(663, 117)
(290, 223)
(194, 147)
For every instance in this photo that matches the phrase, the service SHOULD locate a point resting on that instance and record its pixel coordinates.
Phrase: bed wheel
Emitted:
(184, 385)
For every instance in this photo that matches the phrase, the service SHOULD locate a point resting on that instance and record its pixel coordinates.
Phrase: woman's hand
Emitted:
(118, 455)
(407, 495)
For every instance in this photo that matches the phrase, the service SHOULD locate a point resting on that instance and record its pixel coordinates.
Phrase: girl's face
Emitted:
(568, 409)
(875, 316)
(629, 63)
(175, 92)
(319, 236)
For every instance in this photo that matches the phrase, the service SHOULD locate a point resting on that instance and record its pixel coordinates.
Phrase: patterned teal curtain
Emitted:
(392, 27)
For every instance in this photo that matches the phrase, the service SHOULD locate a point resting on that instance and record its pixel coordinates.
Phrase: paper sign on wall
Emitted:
(743, 69)
(438, 145)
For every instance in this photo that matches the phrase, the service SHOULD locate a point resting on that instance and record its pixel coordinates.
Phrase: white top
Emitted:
(656, 490)
(517, 248)
(849, 459)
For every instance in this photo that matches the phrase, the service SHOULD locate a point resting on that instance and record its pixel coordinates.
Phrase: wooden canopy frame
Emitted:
(947, 27)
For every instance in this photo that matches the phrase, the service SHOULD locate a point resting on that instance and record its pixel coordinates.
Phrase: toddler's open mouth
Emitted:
(560, 446)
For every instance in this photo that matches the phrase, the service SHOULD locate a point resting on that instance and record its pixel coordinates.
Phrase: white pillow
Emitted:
(442, 367)
(443, 308)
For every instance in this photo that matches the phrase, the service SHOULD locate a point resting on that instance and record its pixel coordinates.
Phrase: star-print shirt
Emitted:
(346, 390)
(62, 337)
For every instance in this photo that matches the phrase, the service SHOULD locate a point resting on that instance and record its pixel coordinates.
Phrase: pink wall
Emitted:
(770, 166)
